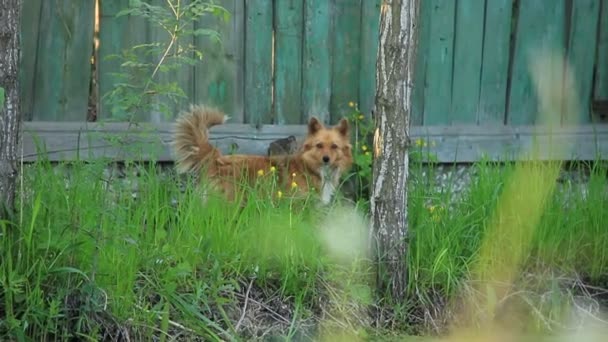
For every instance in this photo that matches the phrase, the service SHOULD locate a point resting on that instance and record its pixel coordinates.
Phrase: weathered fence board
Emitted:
(116, 34)
(600, 87)
(181, 76)
(468, 51)
(582, 35)
(438, 92)
(420, 81)
(62, 72)
(495, 63)
(289, 21)
(30, 27)
(218, 78)
(346, 52)
(316, 66)
(68, 141)
(258, 61)
(370, 22)
(540, 24)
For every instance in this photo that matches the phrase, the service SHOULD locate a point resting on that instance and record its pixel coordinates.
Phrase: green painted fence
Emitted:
(284, 60)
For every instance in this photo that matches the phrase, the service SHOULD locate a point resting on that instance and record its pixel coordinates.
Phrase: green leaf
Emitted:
(1, 97)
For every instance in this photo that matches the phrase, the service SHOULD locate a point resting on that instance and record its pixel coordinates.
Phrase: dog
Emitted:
(318, 165)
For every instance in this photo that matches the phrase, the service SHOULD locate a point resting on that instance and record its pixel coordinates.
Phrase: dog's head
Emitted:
(327, 146)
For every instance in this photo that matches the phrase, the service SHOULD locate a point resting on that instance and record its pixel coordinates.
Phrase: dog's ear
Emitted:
(342, 127)
(314, 125)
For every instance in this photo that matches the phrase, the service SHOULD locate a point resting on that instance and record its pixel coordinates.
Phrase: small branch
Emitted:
(238, 324)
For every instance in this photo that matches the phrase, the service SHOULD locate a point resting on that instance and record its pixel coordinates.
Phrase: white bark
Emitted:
(395, 67)
(10, 114)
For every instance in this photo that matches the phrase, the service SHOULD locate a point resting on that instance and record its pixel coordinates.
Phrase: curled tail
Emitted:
(191, 138)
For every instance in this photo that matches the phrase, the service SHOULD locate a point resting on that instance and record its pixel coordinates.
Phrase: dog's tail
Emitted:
(191, 138)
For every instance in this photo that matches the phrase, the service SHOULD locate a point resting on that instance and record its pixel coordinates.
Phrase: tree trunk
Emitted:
(394, 72)
(10, 112)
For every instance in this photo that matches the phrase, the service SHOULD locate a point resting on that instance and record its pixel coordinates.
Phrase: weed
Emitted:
(142, 256)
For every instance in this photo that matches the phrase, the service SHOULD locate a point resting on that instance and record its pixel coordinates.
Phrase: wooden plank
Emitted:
(463, 143)
(238, 25)
(346, 55)
(289, 22)
(420, 81)
(540, 24)
(316, 67)
(258, 62)
(468, 49)
(600, 87)
(495, 64)
(437, 101)
(215, 77)
(30, 26)
(172, 71)
(370, 23)
(581, 57)
(63, 68)
(116, 34)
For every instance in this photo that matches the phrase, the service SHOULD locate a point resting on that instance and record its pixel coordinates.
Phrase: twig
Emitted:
(238, 324)
(267, 308)
(172, 323)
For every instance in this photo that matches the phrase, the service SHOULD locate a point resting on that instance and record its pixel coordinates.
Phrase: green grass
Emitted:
(86, 258)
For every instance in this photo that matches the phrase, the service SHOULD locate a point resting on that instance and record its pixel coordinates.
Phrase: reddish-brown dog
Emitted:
(323, 158)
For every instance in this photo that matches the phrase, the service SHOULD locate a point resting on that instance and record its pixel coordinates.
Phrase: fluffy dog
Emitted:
(323, 158)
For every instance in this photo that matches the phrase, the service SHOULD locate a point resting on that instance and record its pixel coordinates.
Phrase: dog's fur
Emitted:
(323, 158)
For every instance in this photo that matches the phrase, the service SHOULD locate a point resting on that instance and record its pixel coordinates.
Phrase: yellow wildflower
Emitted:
(294, 185)
(419, 142)
(279, 194)
(293, 175)
(351, 104)
(260, 172)
(364, 148)
(367, 153)
(273, 169)
(361, 117)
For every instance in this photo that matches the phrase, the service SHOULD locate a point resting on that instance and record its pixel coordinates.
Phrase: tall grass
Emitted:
(95, 256)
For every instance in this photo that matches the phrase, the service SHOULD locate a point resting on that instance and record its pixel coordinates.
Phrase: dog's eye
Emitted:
(319, 145)
(334, 146)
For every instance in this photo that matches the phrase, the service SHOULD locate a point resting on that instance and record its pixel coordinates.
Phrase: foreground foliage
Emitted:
(92, 255)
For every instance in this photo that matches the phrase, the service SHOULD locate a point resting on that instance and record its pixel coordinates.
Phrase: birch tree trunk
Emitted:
(394, 81)
(10, 112)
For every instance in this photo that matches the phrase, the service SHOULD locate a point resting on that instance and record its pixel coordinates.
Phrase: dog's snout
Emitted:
(326, 159)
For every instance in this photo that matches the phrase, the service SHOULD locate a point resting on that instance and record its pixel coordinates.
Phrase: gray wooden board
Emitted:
(67, 140)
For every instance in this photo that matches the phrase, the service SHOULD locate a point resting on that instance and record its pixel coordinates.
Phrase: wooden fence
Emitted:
(284, 60)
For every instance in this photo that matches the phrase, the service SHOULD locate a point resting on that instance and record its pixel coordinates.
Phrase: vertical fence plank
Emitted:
(495, 64)
(468, 44)
(583, 35)
(420, 68)
(258, 62)
(215, 77)
(63, 69)
(288, 17)
(370, 23)
(438, 96)
(316, 60)
(30, 26)
(346, 56)
(600, 87)
(540, 24)
(181, 76)
(116, 34)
